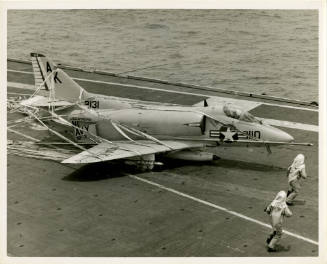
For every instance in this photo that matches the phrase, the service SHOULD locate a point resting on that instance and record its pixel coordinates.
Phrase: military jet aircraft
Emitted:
(137, 131)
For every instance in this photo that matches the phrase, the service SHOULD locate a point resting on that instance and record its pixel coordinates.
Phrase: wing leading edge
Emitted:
(122, 149)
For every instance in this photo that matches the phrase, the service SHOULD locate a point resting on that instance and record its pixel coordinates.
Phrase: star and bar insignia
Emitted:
(224, 134)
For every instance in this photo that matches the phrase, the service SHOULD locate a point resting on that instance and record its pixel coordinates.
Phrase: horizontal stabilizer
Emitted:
(41, 101)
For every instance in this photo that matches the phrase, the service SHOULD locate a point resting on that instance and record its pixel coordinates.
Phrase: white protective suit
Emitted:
(295, 172)
(277, 210)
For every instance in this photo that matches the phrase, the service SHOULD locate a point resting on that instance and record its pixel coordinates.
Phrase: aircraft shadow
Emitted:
(174, 164)
(108, 170)
(97, 172)
(247, 165)
(223, 163)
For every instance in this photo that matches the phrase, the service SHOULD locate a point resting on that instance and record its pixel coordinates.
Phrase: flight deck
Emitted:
(182, 209)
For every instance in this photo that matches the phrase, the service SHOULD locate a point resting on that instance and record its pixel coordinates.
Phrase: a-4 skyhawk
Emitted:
(136, 131)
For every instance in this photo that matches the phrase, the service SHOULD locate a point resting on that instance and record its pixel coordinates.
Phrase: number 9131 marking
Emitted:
(92, 103)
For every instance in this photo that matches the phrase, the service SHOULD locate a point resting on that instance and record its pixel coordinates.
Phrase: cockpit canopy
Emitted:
(236, 113)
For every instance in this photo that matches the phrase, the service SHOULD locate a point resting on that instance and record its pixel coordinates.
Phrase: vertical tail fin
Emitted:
(65, 88)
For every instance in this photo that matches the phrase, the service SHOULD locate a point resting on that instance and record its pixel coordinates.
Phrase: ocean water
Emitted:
(260, 51)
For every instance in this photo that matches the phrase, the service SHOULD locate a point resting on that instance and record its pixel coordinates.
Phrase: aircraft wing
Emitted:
(127, 149)
(41, 101)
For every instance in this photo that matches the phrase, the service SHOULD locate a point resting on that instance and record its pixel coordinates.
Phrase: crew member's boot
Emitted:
(270, 237)
(290, 198)
(272, 245)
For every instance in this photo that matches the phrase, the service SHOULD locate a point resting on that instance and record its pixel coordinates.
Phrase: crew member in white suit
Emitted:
(295, 172)
(277, 209)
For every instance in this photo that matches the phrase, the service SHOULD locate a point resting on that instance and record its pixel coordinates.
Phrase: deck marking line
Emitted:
(25, 72)
(21, 134)
(171, 91)
(21, 85)
(273, 122)
(220, 208)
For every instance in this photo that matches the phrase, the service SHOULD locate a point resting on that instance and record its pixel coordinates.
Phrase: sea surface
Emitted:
(261, 51)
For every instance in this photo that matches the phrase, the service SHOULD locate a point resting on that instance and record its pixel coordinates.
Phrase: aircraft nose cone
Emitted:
(275, 134)
(285, 137)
